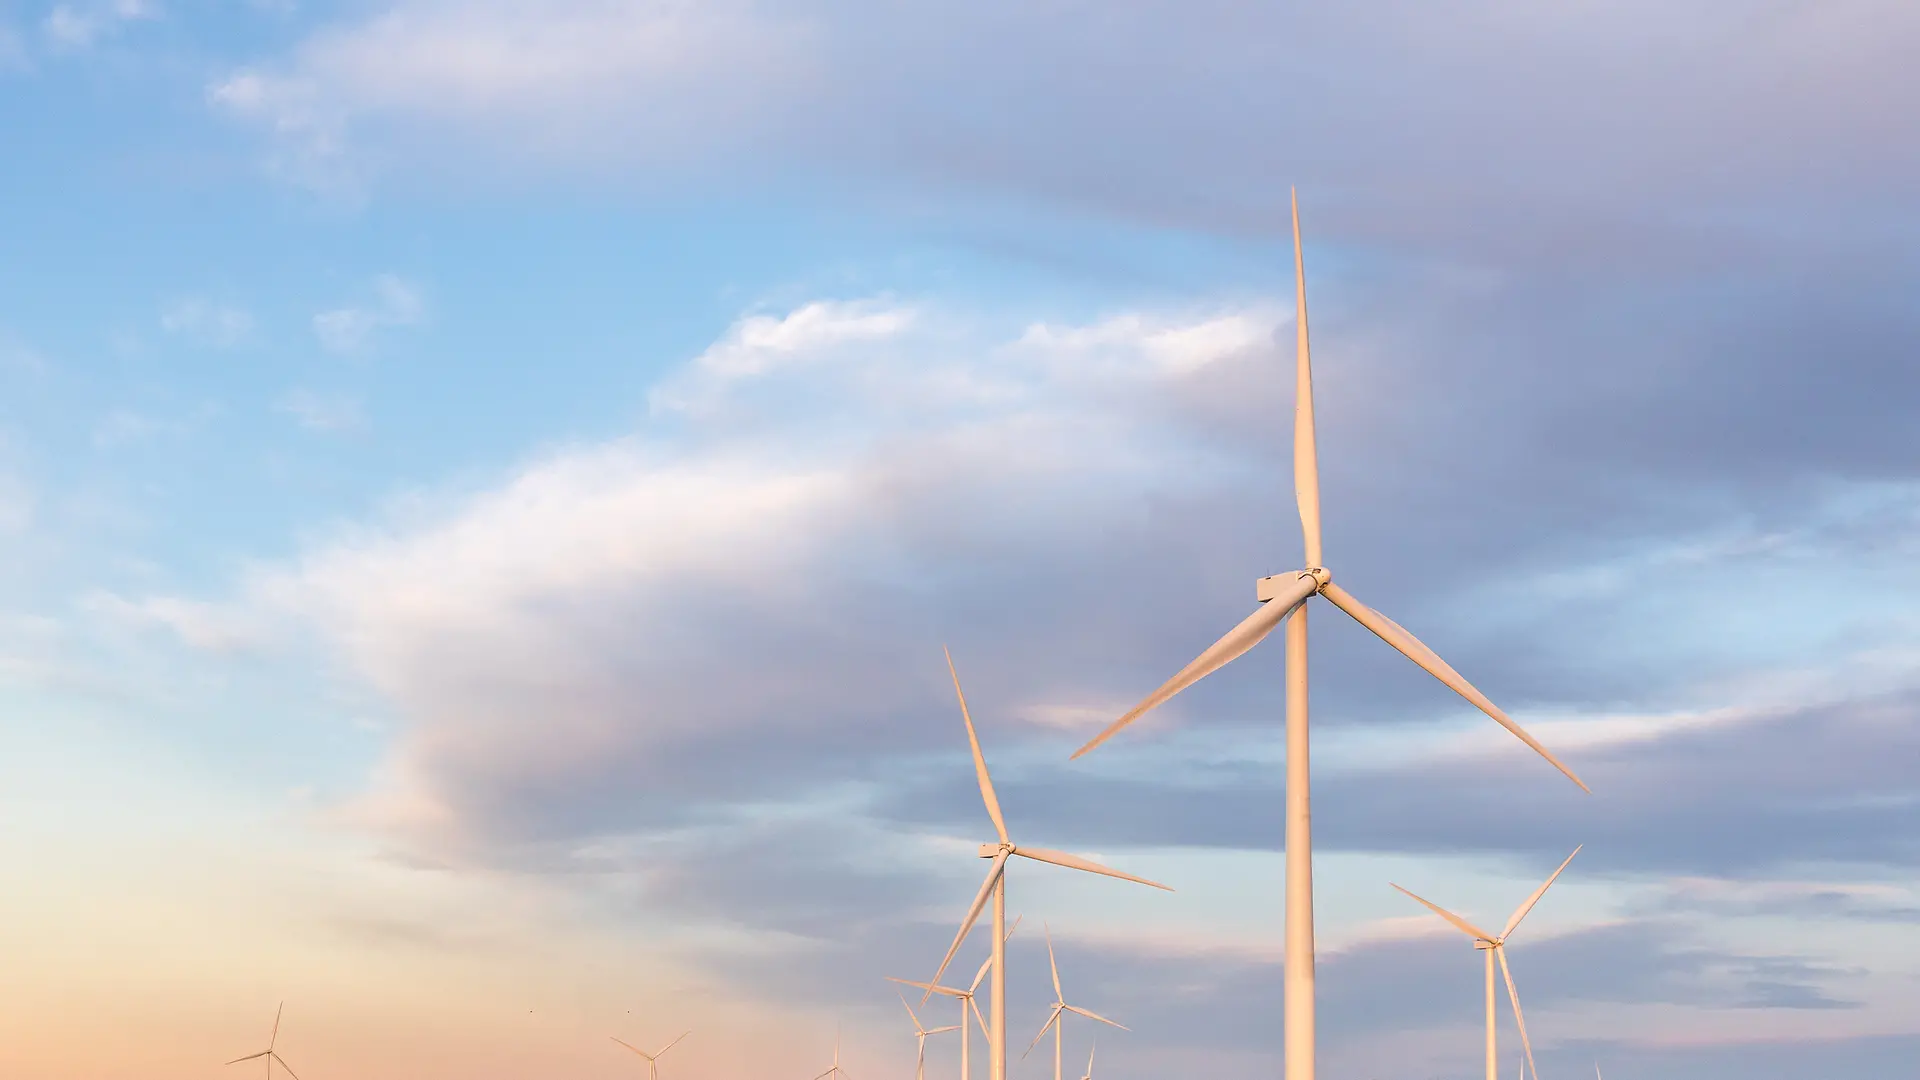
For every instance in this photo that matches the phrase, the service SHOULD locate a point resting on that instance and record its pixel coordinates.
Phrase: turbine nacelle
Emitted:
(1275, 586)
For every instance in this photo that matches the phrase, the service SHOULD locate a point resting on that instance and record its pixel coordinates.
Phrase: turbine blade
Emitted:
(1061, 858)
(275, 1037)
(633, 1048)
(979, 762)
(1236, 641)
(1306, 462)
(1052, 1019)
(986, 887)
(1090, 1051)
(1521, 911)
(1097, 1016)
(935, 987)
(672, 1044)
(250, 1057)
(978, 1019)
(910, 1014)
(941, 1030)
(1052, 963)
(1465, 927)
(1519, 1018)
(284, 1065)
(1413, 649)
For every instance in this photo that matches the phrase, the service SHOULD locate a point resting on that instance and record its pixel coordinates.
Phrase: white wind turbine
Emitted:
(1282, 597)
(270, 1054)
(1495, 946)
(1059, 1006)
(836, 1072)
(653, 1059)
(921, 1033)
(966, 1003)
(1090, 1050)
(996, 886)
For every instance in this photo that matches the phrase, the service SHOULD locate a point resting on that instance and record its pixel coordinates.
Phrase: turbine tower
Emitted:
(1283, 597)
(653, 1059)
(270, 1054)
(996, 886)
(1053, 1020)
(1495, 946)
(966, 1004)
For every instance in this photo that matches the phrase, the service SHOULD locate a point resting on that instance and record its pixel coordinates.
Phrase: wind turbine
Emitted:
(653, 1059)
(1282, 597)
(921, 1033)
(1495, 946)
(966, 1003)
(1059, 1006)
(836, 1072)
(996, 886)
(1090, 1050)
(270, 1053)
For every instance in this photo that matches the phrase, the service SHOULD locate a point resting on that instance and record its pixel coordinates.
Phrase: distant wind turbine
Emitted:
(996, 886)
(1059, 1006)
(921, 1033)
(1090, 1050)
(270, 1054)
(1283, 597)
(966, 1003)
(836, 1072)
(1495, 946)
(653, 1059)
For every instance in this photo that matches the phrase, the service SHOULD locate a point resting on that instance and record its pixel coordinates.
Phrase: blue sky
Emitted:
(483, 489)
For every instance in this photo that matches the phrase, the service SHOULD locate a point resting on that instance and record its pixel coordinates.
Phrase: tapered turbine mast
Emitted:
(1059, 1006)
(966, 1004)
(653, 1059)
(1283, 597)
(995, 886)
(1495, 946)
(270, 1055)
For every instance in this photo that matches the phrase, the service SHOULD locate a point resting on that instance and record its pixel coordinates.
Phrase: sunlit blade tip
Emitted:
(1097, 1016)
(1459, 923)
(1231, 645)
(1075, 862)
(1527, 905)
(1306, 463)
(250, 1057)
(1413, 649)
(1044, 1028)
(987, 795)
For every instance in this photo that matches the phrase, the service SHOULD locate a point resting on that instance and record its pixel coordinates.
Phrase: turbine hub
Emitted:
(989, 851)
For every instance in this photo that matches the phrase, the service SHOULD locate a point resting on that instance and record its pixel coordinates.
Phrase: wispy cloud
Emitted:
(396, 303)
(322, 412)
(207, 322)
(78, 26)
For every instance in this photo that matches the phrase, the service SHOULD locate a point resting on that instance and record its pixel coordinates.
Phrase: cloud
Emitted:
(351, 329)
(551, 73)
(216, 325)
(321, 412)
(76, 27)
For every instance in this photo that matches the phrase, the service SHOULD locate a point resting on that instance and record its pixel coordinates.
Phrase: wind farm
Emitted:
(495, 499)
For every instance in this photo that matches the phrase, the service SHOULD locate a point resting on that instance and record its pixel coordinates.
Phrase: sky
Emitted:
(485, 486)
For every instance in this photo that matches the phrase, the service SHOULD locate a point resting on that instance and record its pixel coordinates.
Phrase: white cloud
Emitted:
(552, 73)
(351, 329)
(609, 599)
(218, 325)
(321, 412)
(74, 27)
